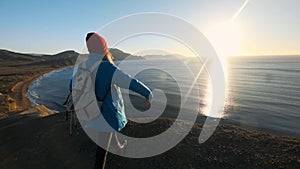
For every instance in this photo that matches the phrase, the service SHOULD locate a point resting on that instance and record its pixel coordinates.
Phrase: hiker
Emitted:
(108, 80)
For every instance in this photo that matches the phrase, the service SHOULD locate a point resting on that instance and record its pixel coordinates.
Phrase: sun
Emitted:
(225, 37)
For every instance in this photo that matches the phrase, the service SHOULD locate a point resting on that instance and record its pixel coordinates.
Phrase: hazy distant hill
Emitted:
(158, 56)
(66, 58)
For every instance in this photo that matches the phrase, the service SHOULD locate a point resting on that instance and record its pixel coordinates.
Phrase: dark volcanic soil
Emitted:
(28, 141)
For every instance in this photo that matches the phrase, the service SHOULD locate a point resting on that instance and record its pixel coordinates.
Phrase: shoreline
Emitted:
(45, 137)
(35, 137)
(36, 78)
(20, 89)
(222, 120)
(16, 100)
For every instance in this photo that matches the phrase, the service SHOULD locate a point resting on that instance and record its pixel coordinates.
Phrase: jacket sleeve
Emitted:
(124, 80)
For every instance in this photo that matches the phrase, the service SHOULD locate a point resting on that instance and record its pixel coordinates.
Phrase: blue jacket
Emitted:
(108, 79)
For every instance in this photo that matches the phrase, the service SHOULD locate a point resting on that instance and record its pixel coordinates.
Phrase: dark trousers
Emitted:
(101, 153)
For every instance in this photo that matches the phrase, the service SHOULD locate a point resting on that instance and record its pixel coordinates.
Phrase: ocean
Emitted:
(262, 93)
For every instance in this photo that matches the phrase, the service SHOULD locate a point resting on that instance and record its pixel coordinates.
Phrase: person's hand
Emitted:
(148, 103)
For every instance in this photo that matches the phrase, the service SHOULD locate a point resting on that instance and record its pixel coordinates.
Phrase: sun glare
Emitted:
(225, 38)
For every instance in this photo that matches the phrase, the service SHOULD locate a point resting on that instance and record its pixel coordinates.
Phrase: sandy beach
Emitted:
(18, 71)
(19, 90)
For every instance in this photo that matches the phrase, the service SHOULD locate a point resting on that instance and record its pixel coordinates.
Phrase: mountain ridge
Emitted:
(64, 58)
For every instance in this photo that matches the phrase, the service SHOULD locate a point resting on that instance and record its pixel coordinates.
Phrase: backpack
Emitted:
(82, 99)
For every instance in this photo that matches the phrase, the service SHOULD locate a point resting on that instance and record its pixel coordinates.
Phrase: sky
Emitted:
(263, 27)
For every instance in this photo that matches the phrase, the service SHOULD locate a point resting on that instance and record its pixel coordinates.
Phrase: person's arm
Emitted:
(124, 80)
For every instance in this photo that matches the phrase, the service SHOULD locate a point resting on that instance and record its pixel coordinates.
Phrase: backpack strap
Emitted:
(94, 67)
